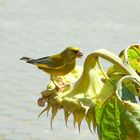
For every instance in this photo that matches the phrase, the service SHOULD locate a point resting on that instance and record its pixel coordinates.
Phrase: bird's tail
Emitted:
(28, 60)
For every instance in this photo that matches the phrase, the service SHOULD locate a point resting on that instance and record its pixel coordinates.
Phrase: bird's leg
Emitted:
(56, 85)
(62, 83)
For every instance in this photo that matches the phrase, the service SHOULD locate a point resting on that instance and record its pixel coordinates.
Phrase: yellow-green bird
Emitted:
(59, 64)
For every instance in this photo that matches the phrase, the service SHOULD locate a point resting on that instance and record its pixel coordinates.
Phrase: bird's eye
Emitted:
(75, 51)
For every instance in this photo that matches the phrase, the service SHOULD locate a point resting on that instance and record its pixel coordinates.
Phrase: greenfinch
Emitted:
(59, 64)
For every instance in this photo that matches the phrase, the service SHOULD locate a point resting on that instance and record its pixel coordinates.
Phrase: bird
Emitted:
(57, 65)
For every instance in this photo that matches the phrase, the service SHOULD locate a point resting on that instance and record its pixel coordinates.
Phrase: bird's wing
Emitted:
(55, 62)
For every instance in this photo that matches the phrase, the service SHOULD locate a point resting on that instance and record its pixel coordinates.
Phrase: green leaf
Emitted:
(108, 120)
(117, 122)
(133, 54)
(118, 119)
(130, 120)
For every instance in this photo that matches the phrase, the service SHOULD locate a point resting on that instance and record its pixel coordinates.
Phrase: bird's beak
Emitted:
(79, 54)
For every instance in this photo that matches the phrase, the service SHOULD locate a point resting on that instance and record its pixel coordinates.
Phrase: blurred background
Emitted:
(38, 28)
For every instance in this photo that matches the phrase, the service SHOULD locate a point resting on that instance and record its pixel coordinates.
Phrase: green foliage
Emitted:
(118, 119)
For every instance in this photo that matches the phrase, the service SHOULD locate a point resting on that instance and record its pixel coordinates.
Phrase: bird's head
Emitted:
(72, 52)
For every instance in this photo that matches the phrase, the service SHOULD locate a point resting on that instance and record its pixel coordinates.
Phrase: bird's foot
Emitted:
(59, 89)
(60, 85)
(60, 81)
(62, 88)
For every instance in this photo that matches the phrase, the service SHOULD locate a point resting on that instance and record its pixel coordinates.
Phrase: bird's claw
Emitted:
(62, 88)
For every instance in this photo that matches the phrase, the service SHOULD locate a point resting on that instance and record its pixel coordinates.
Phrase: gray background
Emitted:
(39, 28)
